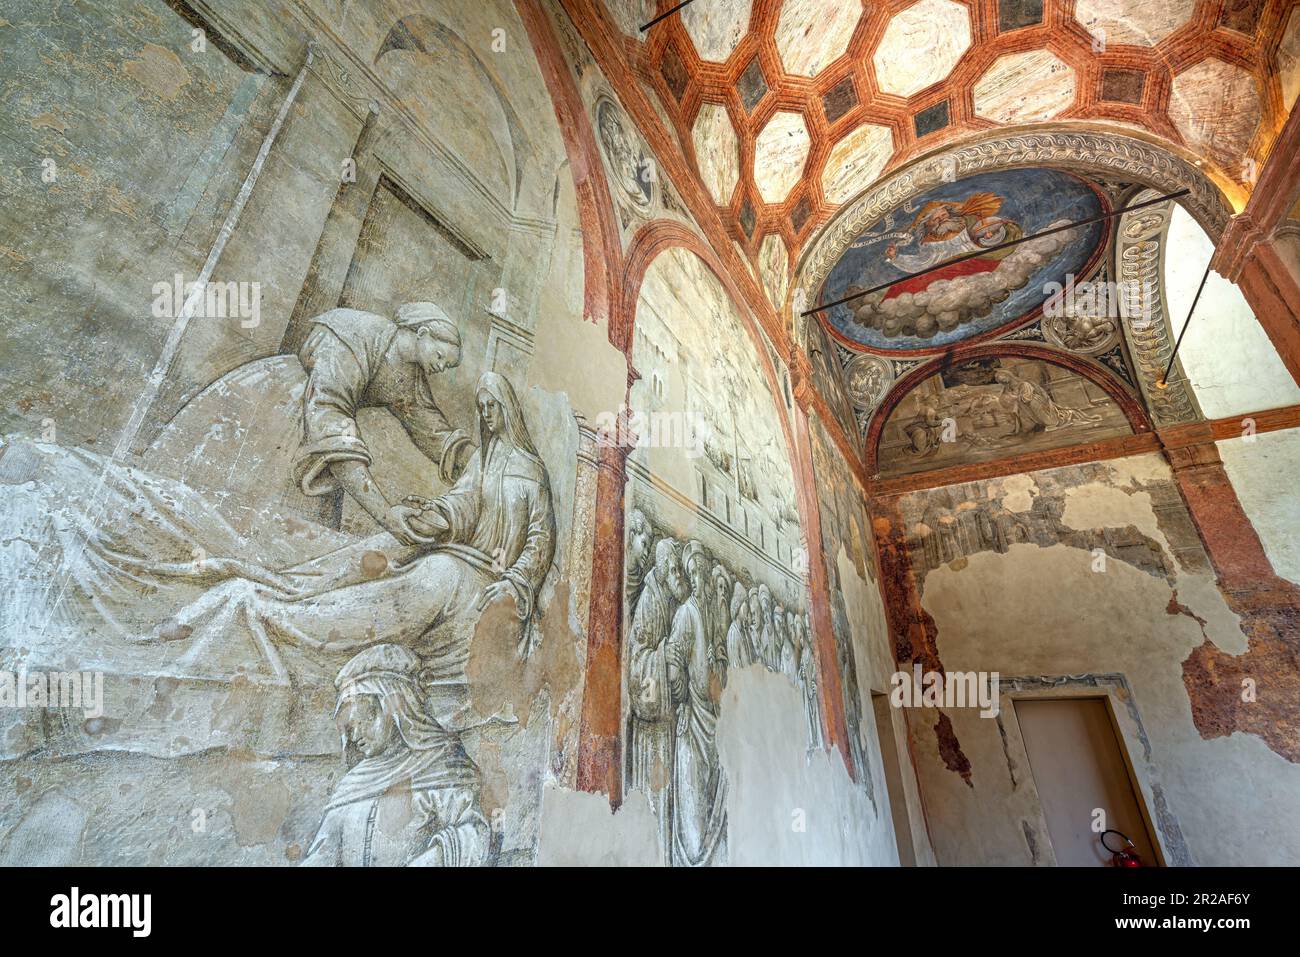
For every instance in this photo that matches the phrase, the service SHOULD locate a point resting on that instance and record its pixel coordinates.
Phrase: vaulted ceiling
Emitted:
(789, 108)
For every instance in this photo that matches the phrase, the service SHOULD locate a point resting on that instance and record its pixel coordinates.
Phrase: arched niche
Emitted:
(995, 401)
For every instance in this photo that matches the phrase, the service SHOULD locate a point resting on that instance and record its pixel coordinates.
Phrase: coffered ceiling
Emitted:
(789, 108)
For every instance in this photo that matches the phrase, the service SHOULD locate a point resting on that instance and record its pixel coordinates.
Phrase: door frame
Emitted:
(1130, 737)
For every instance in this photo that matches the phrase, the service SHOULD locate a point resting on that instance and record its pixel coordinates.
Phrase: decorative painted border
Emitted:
(1140, 243)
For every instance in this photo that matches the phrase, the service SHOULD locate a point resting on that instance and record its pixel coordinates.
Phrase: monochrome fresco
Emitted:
(990, 287)
(988, 408)
(333, 530)
(714, 565)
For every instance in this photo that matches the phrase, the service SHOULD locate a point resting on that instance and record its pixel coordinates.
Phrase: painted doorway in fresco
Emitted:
(1079, 765)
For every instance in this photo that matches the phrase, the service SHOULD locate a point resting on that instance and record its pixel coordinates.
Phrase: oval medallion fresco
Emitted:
(984, 293)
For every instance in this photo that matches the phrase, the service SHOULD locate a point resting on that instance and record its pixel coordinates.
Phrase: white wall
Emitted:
(1226, 354)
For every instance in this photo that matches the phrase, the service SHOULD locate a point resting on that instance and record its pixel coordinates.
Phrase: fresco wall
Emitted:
(1091, 581)
(988, 408)
(327, 527)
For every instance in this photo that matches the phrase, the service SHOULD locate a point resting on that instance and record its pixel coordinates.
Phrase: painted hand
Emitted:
(395, 522)
(492, 593)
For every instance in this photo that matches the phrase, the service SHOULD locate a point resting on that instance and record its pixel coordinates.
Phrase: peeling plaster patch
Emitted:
(786, 806)
(1140, 469)
(1216, 681)
(603, 383)
(580, 830)
(503, 682)
(1272, 503)
(950, 750)
(1018, 492)
(1103, 506)
(1175, 608)
(159, 71)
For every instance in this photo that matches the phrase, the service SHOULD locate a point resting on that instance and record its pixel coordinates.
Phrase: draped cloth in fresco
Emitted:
(698, 788)
(111, 568)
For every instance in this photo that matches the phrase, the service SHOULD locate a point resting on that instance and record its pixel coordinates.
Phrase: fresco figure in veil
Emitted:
(410, 796)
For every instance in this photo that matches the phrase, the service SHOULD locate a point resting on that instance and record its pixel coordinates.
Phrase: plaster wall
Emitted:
(1109, 603)
(1260, 468)
(1226, 354)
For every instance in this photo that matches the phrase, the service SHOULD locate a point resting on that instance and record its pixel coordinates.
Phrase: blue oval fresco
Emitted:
(969, 298)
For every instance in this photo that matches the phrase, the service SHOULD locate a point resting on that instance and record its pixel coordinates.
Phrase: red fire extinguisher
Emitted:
(1126, 856)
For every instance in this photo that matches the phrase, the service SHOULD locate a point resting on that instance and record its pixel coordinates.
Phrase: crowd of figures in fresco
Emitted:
(692, 621)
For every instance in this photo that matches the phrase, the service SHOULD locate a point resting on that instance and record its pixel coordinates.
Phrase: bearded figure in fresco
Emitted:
(694, 671)
(740, 646)
(943, 230)
(640, 539)
(958, 241)
(650, 729)
(410, 796)
(720, 586)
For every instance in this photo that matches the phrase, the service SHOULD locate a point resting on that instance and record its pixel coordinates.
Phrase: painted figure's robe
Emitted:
(699, 816)
(1036, 411)
(649, 739)
(262, 437)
